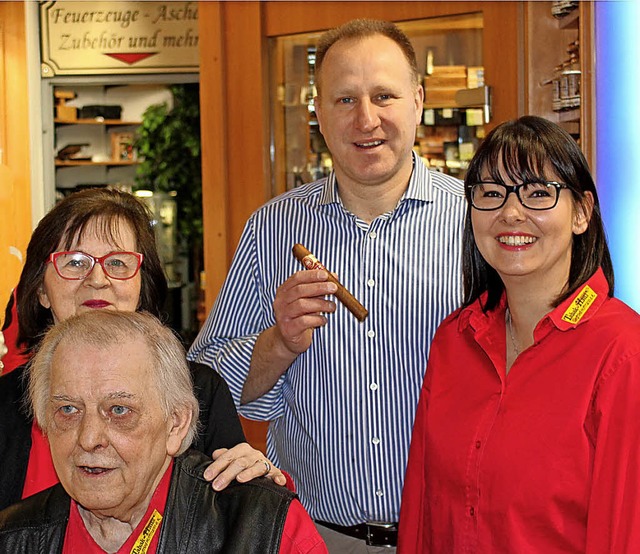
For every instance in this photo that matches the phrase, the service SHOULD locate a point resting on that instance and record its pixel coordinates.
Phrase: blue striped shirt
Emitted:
(341, 416)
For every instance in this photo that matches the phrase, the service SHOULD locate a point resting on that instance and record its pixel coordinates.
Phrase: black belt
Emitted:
(375, 534)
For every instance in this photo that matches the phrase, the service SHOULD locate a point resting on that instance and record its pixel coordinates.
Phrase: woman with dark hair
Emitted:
(95, 250)
(99, 213)
(526, 436)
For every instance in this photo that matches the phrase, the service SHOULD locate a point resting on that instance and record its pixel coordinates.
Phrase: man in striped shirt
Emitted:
(341, 394)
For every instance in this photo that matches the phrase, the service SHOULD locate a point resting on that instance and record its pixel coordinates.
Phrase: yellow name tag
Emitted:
(144, 540)
(580, 305)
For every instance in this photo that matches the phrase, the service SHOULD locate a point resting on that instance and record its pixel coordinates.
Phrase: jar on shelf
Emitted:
(556, 104)
(573, 75)
(564, 85)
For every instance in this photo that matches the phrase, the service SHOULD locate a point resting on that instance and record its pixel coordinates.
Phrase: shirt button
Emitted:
(478, 444)
(371, 333)
(375, 440)
(379, 492)
(371, 282)
(373, 235)
(471, 511)
(373, 386)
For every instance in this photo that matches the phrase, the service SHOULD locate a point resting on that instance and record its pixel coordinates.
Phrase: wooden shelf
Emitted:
(570, 21)
(95, 122)
(84, 163)
(569, 116)
(543, 56)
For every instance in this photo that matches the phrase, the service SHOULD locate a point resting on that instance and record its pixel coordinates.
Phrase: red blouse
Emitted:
(545, 459)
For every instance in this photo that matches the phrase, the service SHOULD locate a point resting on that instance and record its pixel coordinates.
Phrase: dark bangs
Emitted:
(107, 228)
(523, 148)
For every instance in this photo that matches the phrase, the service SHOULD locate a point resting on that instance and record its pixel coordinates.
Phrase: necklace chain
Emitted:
(510, 326)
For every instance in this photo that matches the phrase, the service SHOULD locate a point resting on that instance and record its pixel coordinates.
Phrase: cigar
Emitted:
(308, 260)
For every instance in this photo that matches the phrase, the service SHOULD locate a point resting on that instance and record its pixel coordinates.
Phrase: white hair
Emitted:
(106, 329)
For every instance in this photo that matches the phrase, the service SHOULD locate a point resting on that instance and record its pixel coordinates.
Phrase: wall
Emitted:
(617, 51)
(15, 196)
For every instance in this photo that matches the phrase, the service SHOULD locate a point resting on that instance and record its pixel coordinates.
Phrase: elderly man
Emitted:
(113, 393)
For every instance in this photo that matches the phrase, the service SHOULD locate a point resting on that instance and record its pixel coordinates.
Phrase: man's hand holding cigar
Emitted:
(300, 302)
(308, 260)
(299, 306)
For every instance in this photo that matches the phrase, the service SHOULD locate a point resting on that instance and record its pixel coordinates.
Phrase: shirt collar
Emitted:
(419, 188)
(583, 304)
(579, 308)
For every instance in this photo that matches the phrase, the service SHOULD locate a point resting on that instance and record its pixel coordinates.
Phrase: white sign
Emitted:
(81, 38)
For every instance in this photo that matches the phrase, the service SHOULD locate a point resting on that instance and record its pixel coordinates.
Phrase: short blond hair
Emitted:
(358, 29)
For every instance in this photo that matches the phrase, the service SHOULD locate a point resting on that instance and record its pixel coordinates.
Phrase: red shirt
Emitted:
(545, 459)
(40, 471)
(300, 535)
(15, 355)
(143, 540)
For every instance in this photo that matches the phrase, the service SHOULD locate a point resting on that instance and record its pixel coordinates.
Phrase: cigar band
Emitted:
(311, 262)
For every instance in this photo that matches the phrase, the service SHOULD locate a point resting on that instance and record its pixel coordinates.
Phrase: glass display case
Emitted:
(457, 100)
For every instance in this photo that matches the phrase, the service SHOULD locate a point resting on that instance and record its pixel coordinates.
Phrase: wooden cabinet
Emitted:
(456, 107)
(549, 41)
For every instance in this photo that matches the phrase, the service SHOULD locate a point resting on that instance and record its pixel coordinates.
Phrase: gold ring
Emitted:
(267, 466)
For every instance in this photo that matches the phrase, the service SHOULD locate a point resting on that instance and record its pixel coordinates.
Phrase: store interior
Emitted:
(481, 63)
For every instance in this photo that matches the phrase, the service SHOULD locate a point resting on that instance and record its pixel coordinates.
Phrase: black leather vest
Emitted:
(244, 518)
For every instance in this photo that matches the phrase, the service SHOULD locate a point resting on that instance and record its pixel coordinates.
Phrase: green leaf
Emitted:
(168, 142)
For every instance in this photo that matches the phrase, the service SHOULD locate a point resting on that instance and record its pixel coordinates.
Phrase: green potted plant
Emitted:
(168, 146)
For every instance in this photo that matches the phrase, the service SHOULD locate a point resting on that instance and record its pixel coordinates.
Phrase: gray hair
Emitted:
(107, 328)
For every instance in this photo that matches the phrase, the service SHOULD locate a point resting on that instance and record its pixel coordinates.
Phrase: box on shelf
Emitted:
(447, 76)
(64, 112)
(475, 76)
(99, 110)
(441, 85)
(122, 147)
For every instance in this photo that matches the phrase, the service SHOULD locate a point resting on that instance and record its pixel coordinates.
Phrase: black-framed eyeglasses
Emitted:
(487, 195)
(78, 265)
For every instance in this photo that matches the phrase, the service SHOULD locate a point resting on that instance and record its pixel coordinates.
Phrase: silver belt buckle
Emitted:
(380, 525)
